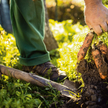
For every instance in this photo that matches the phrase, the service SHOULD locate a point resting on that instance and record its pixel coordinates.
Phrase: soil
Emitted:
(95, 92)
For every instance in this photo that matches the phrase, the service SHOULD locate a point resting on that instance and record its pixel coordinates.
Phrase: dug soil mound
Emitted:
(95, 76)
(94, 73)
(95, 92)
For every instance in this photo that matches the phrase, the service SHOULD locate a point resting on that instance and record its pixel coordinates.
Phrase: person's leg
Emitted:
(28, 26)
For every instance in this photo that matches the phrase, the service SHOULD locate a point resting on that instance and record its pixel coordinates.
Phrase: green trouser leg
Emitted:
(28, 22)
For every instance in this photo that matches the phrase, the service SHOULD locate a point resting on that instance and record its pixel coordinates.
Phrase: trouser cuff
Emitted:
(34, 61)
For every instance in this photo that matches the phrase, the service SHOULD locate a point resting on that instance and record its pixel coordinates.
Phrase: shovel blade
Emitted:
(64, 90)
(69, 93)
(72, 85)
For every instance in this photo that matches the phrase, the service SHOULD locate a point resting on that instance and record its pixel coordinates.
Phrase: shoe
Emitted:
(46, 70)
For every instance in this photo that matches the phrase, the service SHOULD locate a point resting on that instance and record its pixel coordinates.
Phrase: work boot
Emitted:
(47, 70)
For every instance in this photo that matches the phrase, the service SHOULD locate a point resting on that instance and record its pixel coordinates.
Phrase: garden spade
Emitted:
(40, 81)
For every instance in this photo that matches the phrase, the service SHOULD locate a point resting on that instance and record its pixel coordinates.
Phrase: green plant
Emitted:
(8, 51)
(70, 38)
(14, 94)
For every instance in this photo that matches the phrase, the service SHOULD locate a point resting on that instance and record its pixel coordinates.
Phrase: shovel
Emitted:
(70, 91)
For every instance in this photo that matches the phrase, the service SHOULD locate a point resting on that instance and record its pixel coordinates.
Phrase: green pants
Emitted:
(28, 21)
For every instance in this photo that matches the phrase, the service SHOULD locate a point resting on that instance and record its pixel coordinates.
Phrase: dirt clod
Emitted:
(93, 98)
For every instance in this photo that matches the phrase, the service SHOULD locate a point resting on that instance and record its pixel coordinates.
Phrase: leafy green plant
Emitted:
(14, 94)
(8, 51)
(70, 38)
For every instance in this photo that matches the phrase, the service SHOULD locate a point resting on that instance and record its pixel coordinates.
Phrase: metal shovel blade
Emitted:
(66, 91)
(72, 85)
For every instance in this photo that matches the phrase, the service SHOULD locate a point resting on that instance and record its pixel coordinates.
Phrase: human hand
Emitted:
(96, 16)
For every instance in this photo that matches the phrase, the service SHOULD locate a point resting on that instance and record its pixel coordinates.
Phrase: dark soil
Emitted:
(95, 92)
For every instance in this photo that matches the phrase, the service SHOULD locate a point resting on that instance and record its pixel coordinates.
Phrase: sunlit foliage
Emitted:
(8, 50)
(70, 38)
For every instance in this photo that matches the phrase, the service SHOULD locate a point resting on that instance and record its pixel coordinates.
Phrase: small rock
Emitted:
(93, 98)
(87, 102)
(87, 94)
(90, 103)
(89, 87)
(106, 87)
(91, 91)
(95, 87)
(92, 86)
